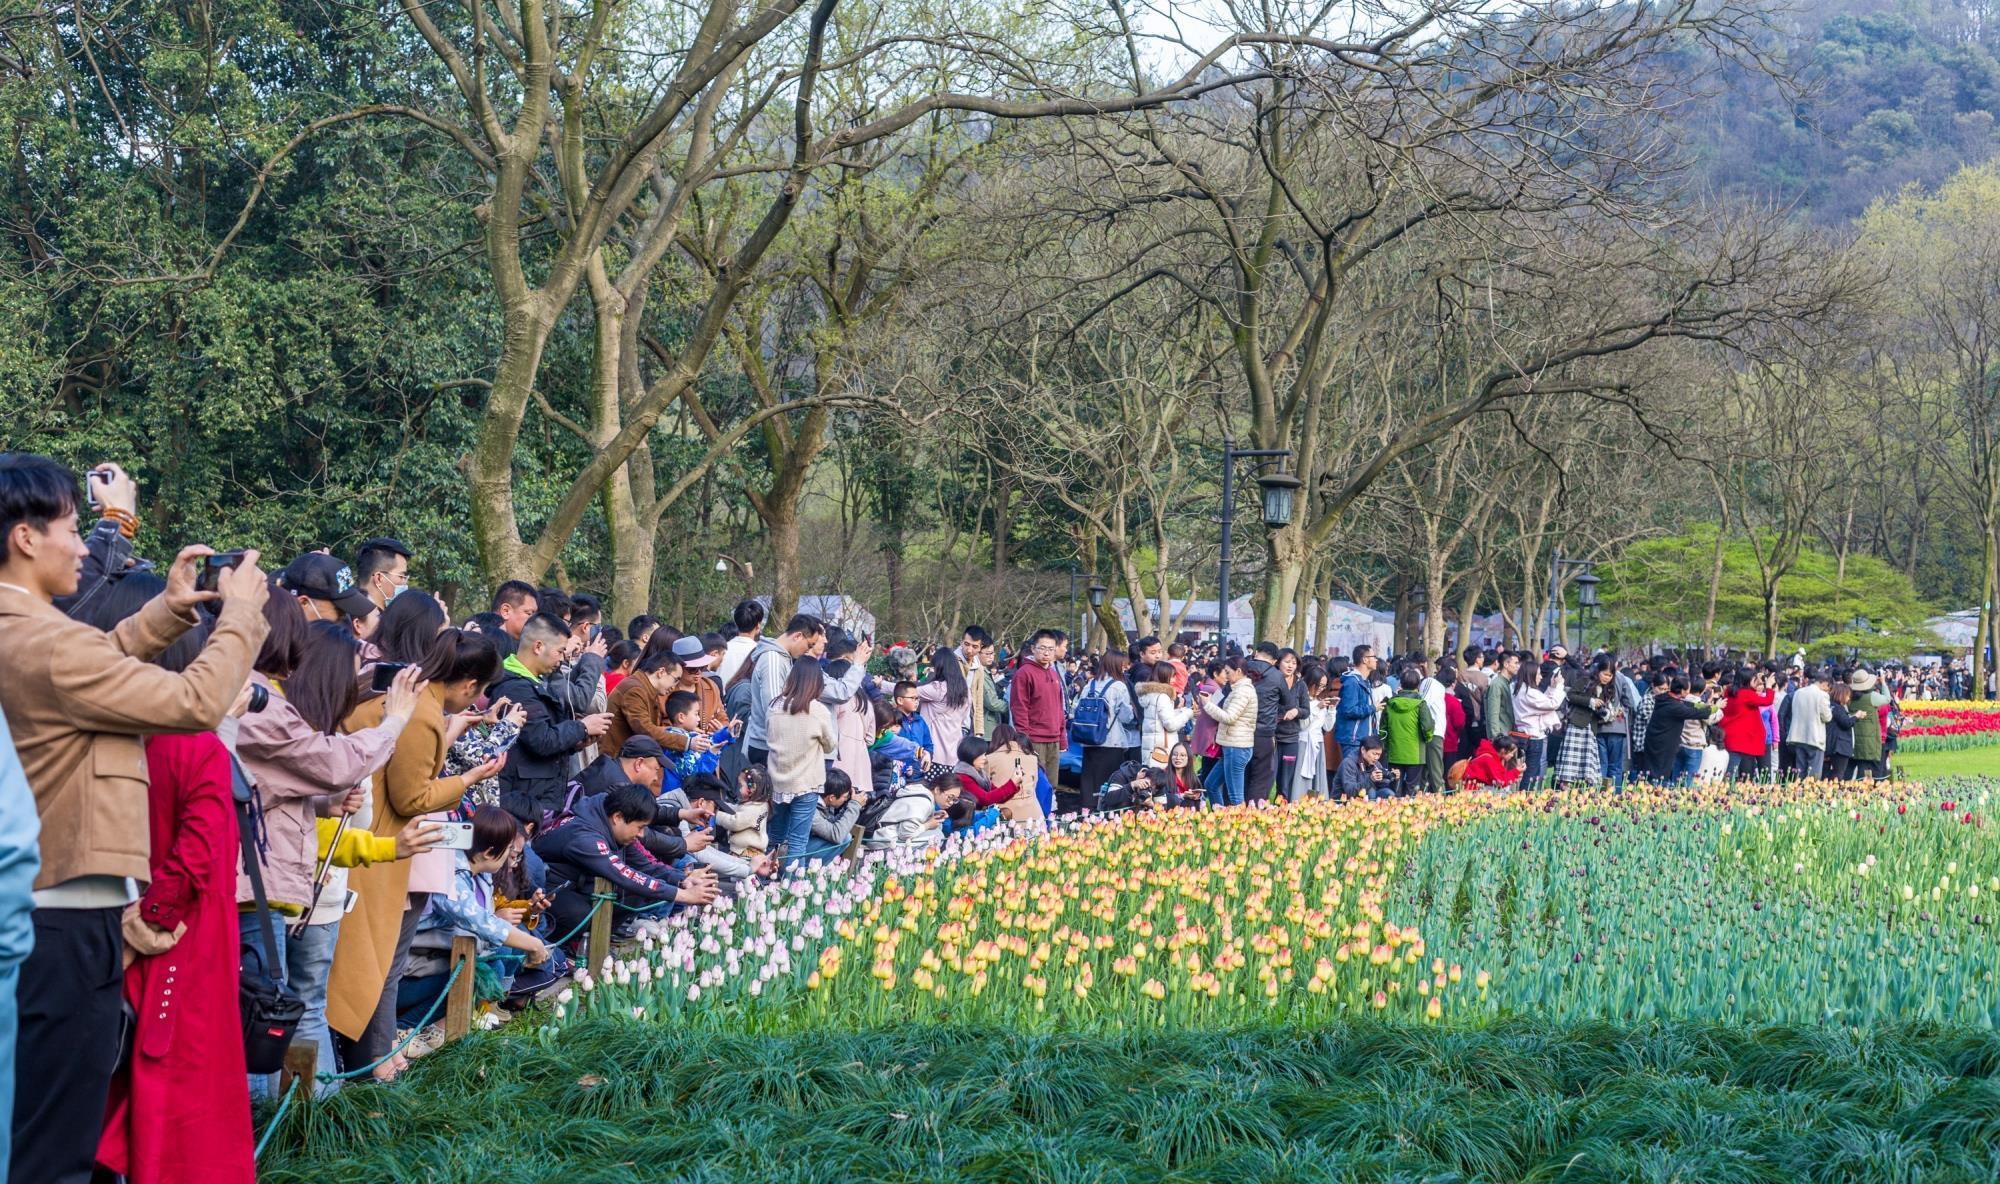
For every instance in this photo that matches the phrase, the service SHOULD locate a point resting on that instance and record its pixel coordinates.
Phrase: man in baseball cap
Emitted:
(326, 588)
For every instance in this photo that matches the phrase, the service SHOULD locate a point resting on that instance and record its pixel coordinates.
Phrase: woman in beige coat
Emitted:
(801, 736)
(375, 938)
(1235, 716)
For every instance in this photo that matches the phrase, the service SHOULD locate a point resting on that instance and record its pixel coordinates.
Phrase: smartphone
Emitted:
(457, 836)
(596, 631)
(212, 567)
(385, 673)
(90, 481)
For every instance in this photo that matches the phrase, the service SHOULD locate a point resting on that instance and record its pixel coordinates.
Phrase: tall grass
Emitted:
(618, 1100)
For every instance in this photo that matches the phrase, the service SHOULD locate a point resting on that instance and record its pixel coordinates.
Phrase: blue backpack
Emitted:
(1090, 724)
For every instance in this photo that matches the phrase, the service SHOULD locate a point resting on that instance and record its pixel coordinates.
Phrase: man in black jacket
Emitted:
(1262, 668)
(639, 763)
(602, 839)
(1672, 710)
(537, 773)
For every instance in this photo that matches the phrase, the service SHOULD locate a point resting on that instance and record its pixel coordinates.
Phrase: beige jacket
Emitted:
(800, 745)
(1236, 716)
(79, 701)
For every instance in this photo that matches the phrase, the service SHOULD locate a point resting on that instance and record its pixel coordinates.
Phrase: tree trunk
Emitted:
(1771, 619)
(1468, 608)
(489, 467)
(1284, 567)
(1985, 630)
(781, 525)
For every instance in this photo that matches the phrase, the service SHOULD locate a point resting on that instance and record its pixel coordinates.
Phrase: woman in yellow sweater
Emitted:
(375, 937)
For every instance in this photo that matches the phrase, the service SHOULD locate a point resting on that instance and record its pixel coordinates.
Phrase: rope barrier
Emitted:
(271, 1128)
(415, 1028)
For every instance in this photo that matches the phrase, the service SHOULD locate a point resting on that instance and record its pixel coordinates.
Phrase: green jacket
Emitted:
(1406, 728)
(1867, 709)
(1499, 706)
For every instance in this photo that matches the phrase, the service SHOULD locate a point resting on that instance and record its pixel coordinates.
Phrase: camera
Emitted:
(212, 567)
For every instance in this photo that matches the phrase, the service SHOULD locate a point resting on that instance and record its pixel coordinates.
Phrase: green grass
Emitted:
(1964, 762)
(617, 1100)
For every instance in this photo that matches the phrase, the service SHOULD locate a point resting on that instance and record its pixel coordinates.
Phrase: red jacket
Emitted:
(180, 1109)
(1743, 721)
(1037, 710)
(1486, 767)
(1454, 722)
(984, 795)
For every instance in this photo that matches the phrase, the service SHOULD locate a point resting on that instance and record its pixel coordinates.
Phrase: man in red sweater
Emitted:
(1037, 710)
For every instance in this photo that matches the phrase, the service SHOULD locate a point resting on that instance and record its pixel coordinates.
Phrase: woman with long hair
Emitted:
(802, 737)
(374, 939)
(1538, 700)
(945, 702)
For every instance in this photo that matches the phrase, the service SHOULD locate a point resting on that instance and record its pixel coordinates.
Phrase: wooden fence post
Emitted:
(301, 1060)
(458, 1003)
(599, 946)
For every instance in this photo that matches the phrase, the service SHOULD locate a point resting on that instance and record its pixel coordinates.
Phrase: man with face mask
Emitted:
(382, 569)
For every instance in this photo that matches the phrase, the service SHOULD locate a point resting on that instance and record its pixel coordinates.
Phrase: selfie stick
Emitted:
(319, 876)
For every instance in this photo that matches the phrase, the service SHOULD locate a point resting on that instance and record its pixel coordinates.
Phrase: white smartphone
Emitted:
(457, 836)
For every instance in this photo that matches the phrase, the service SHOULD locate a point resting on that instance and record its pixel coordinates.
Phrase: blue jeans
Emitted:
(1535, 754)
(1687, 764)
(308, 961)
(1611, 758)
(1225, 777)
(791, 825)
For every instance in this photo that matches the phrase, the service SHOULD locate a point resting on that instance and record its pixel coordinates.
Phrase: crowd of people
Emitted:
(239, 808)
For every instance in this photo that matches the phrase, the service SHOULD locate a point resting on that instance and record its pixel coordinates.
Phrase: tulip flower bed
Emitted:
(1795, 983)
(1944, 726)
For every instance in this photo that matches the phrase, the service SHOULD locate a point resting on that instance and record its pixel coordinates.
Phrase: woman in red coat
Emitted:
(1743, 721)
(180, 1110)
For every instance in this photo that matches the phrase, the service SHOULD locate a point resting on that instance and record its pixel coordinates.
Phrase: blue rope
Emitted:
(419, 1026)
(272, 1127)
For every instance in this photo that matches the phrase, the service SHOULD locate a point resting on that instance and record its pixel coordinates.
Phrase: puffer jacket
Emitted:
(906, 823)
(1161, 719)
(293, 765)
(1236, 716)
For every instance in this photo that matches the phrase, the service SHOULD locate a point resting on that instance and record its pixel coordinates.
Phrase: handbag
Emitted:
(271, 1012)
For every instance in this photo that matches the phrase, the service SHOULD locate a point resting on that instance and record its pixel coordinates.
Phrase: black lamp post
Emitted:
(1280, 491)
(1586, 604)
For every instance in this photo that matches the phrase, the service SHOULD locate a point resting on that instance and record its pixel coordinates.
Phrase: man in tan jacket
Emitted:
(79, 701)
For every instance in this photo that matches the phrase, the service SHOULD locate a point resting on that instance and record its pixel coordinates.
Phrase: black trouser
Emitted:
(1287, 757)
(379, 1036)
(72, 1022)
(1262, 772)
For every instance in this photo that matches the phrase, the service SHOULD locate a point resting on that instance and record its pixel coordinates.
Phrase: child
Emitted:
(745, 828)
(705, 792)
(697, 752)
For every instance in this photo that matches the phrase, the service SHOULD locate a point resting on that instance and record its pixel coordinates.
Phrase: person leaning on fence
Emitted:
(601, 840)
(468, 910)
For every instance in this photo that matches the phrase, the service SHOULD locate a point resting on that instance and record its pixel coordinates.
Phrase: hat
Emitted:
(642, 746)
(325, 577)
(1861, 680)
(691, 652)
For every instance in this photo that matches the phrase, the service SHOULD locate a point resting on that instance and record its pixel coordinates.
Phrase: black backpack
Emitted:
(878, 805)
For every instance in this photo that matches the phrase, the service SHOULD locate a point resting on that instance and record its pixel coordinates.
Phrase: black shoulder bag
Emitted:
(271, 1012)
